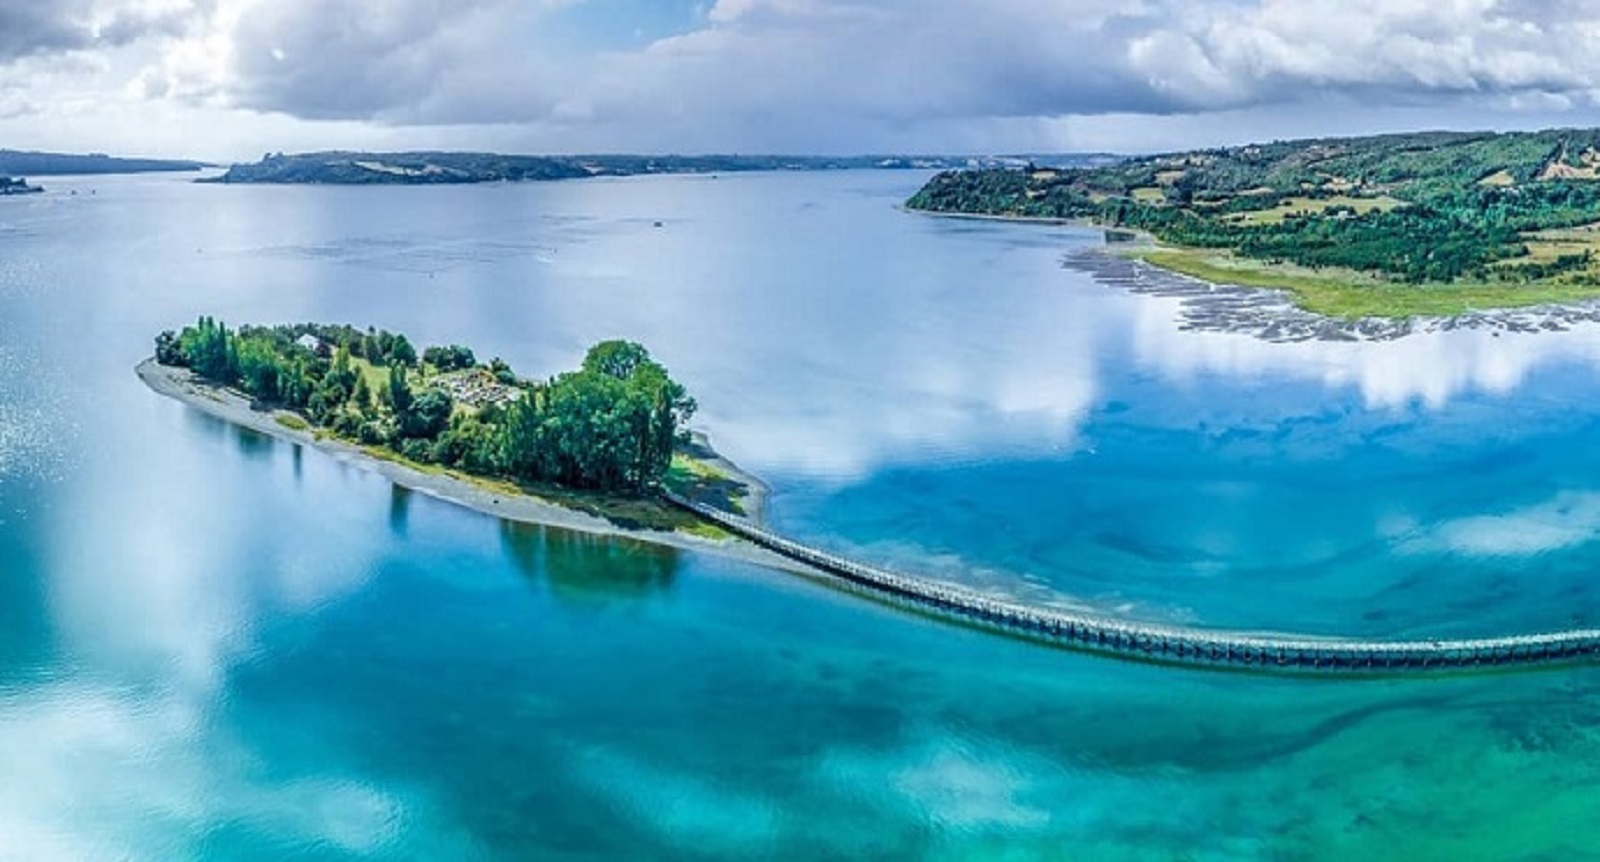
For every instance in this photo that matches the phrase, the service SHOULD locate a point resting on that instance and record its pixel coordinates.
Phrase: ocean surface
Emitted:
(214, 645)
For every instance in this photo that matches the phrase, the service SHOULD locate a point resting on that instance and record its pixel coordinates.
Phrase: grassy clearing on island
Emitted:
(1347, 294)
(377, 377)
(1547, 245)
(291, 422)
(1315, 206)
(693, 478)
(1499, 179)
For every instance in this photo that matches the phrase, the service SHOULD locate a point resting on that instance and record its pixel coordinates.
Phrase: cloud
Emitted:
(828, 74)
(1019, 58)
(393, 62)
(28, 29)
(348, 60)
(759, 63)
(1226, 55)
(54, 26)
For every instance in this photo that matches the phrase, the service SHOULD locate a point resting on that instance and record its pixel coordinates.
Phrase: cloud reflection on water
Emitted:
(1565, 520)
(1430, 368)
(132, 756)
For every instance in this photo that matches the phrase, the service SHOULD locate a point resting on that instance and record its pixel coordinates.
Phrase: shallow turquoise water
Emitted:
(214, 645)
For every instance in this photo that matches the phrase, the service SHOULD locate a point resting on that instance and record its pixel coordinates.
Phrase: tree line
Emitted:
(610, 425)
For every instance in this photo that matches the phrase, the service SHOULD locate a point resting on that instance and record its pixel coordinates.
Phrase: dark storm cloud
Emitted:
(34, 27)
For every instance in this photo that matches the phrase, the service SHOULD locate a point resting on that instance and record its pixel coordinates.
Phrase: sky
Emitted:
(233, 79)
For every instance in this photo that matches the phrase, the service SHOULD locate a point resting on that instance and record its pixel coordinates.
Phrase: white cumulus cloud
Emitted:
(826, 74)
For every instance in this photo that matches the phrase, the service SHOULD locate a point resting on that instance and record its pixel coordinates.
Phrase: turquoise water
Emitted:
(214, 645)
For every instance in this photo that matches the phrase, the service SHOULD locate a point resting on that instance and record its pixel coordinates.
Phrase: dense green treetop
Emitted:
(611, 425)
(1429, 207)
(449, 357)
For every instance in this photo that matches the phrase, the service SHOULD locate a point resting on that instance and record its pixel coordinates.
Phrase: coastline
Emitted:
(1296, 305)
(1271, 314)
(1014, 219)
(182, 385)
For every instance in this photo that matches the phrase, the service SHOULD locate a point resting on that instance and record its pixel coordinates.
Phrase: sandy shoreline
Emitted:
(182, 385)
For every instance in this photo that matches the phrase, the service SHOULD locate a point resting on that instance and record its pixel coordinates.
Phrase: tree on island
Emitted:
(451, 358)
(361, 395)
(428, 415)
(400, 396)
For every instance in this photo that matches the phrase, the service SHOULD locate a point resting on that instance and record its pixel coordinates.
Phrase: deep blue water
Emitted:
(214, 645)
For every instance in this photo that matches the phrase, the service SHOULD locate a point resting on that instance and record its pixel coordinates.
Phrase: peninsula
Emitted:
(436, 168)
(1436, 223)
(587, 450)
(55, 164)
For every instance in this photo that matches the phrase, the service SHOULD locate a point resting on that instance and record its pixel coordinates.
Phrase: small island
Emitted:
(1393, 226)
(17, 186)
(587, 449)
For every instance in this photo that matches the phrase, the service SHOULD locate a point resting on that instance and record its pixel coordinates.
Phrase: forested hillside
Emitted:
(1437, 208)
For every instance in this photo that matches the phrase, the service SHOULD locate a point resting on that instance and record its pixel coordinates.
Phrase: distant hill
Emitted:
(30, 164)
(425, 168)
(1510, 212)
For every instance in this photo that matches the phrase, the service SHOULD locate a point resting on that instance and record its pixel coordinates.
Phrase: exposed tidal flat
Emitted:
(1214, 300)
(1279, 302)
(260, 651)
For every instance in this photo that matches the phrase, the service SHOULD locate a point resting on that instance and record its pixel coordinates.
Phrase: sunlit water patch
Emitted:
(37, 408)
